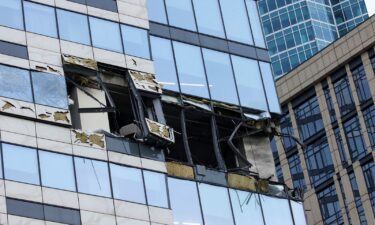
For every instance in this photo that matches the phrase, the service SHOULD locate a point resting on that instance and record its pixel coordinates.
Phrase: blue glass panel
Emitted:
(209, 17)
(156, 189)
(127, 184)
(57, 171)
(236, 21)
(220, 76)
(180, 14)
(184, 202)
(165, 68)
(249, 83)
(298, 213)
(269, 85)
(92, 177)
(105, 34)
(40, 19)
(11, 13)
(135, 41)
(255, 23)
(156, 11)
(276, 210)
(190, 69)
(215, 205)
(15, 83)
(20, 164)
(73, 27)
(50, 89)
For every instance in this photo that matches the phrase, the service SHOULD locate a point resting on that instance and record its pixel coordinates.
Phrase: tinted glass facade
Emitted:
(296, 30)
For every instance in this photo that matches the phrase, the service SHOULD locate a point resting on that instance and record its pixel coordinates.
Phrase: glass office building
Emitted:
(296, 30)
(135, 112)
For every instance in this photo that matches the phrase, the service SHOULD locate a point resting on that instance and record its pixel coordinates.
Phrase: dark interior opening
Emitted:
(176, 151)
(225, 127)
(199, 133)
(124, 114)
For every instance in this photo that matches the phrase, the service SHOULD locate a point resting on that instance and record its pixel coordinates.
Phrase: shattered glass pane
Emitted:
(92, 177)
(184, 202)
(156, 189)
(15, 83)
(127, 184)
(50, 89)
(276, 210)
(246, 205)
(215, 205)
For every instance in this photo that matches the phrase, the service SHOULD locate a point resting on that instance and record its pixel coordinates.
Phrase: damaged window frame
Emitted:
(146, 123)
(217, 111)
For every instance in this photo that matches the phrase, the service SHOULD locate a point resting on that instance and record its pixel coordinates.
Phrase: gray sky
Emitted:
(370, 7)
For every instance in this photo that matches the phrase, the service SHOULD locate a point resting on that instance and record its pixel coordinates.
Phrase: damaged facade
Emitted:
(138, 113)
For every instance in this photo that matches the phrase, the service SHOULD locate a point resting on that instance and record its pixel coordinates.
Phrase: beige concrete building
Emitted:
(327, 136)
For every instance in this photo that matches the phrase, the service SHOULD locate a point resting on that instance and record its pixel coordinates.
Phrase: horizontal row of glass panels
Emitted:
(38, 87)
(236, 20)
(212, 74)
(75, 27)
(191, 202)
(84, 175)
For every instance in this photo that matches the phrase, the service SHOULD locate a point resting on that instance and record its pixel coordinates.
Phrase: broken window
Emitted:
(216, 206)
(50, 89)
(184, 202)
(73, 27)
(199, 136)
(15, 83)
(92, 177)
(156, 189)
(127, 184)
(225, 128)
(40, 19)
(105, 34)
(20, 164)
(246, 205)
(177, 150)
(135, 41)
